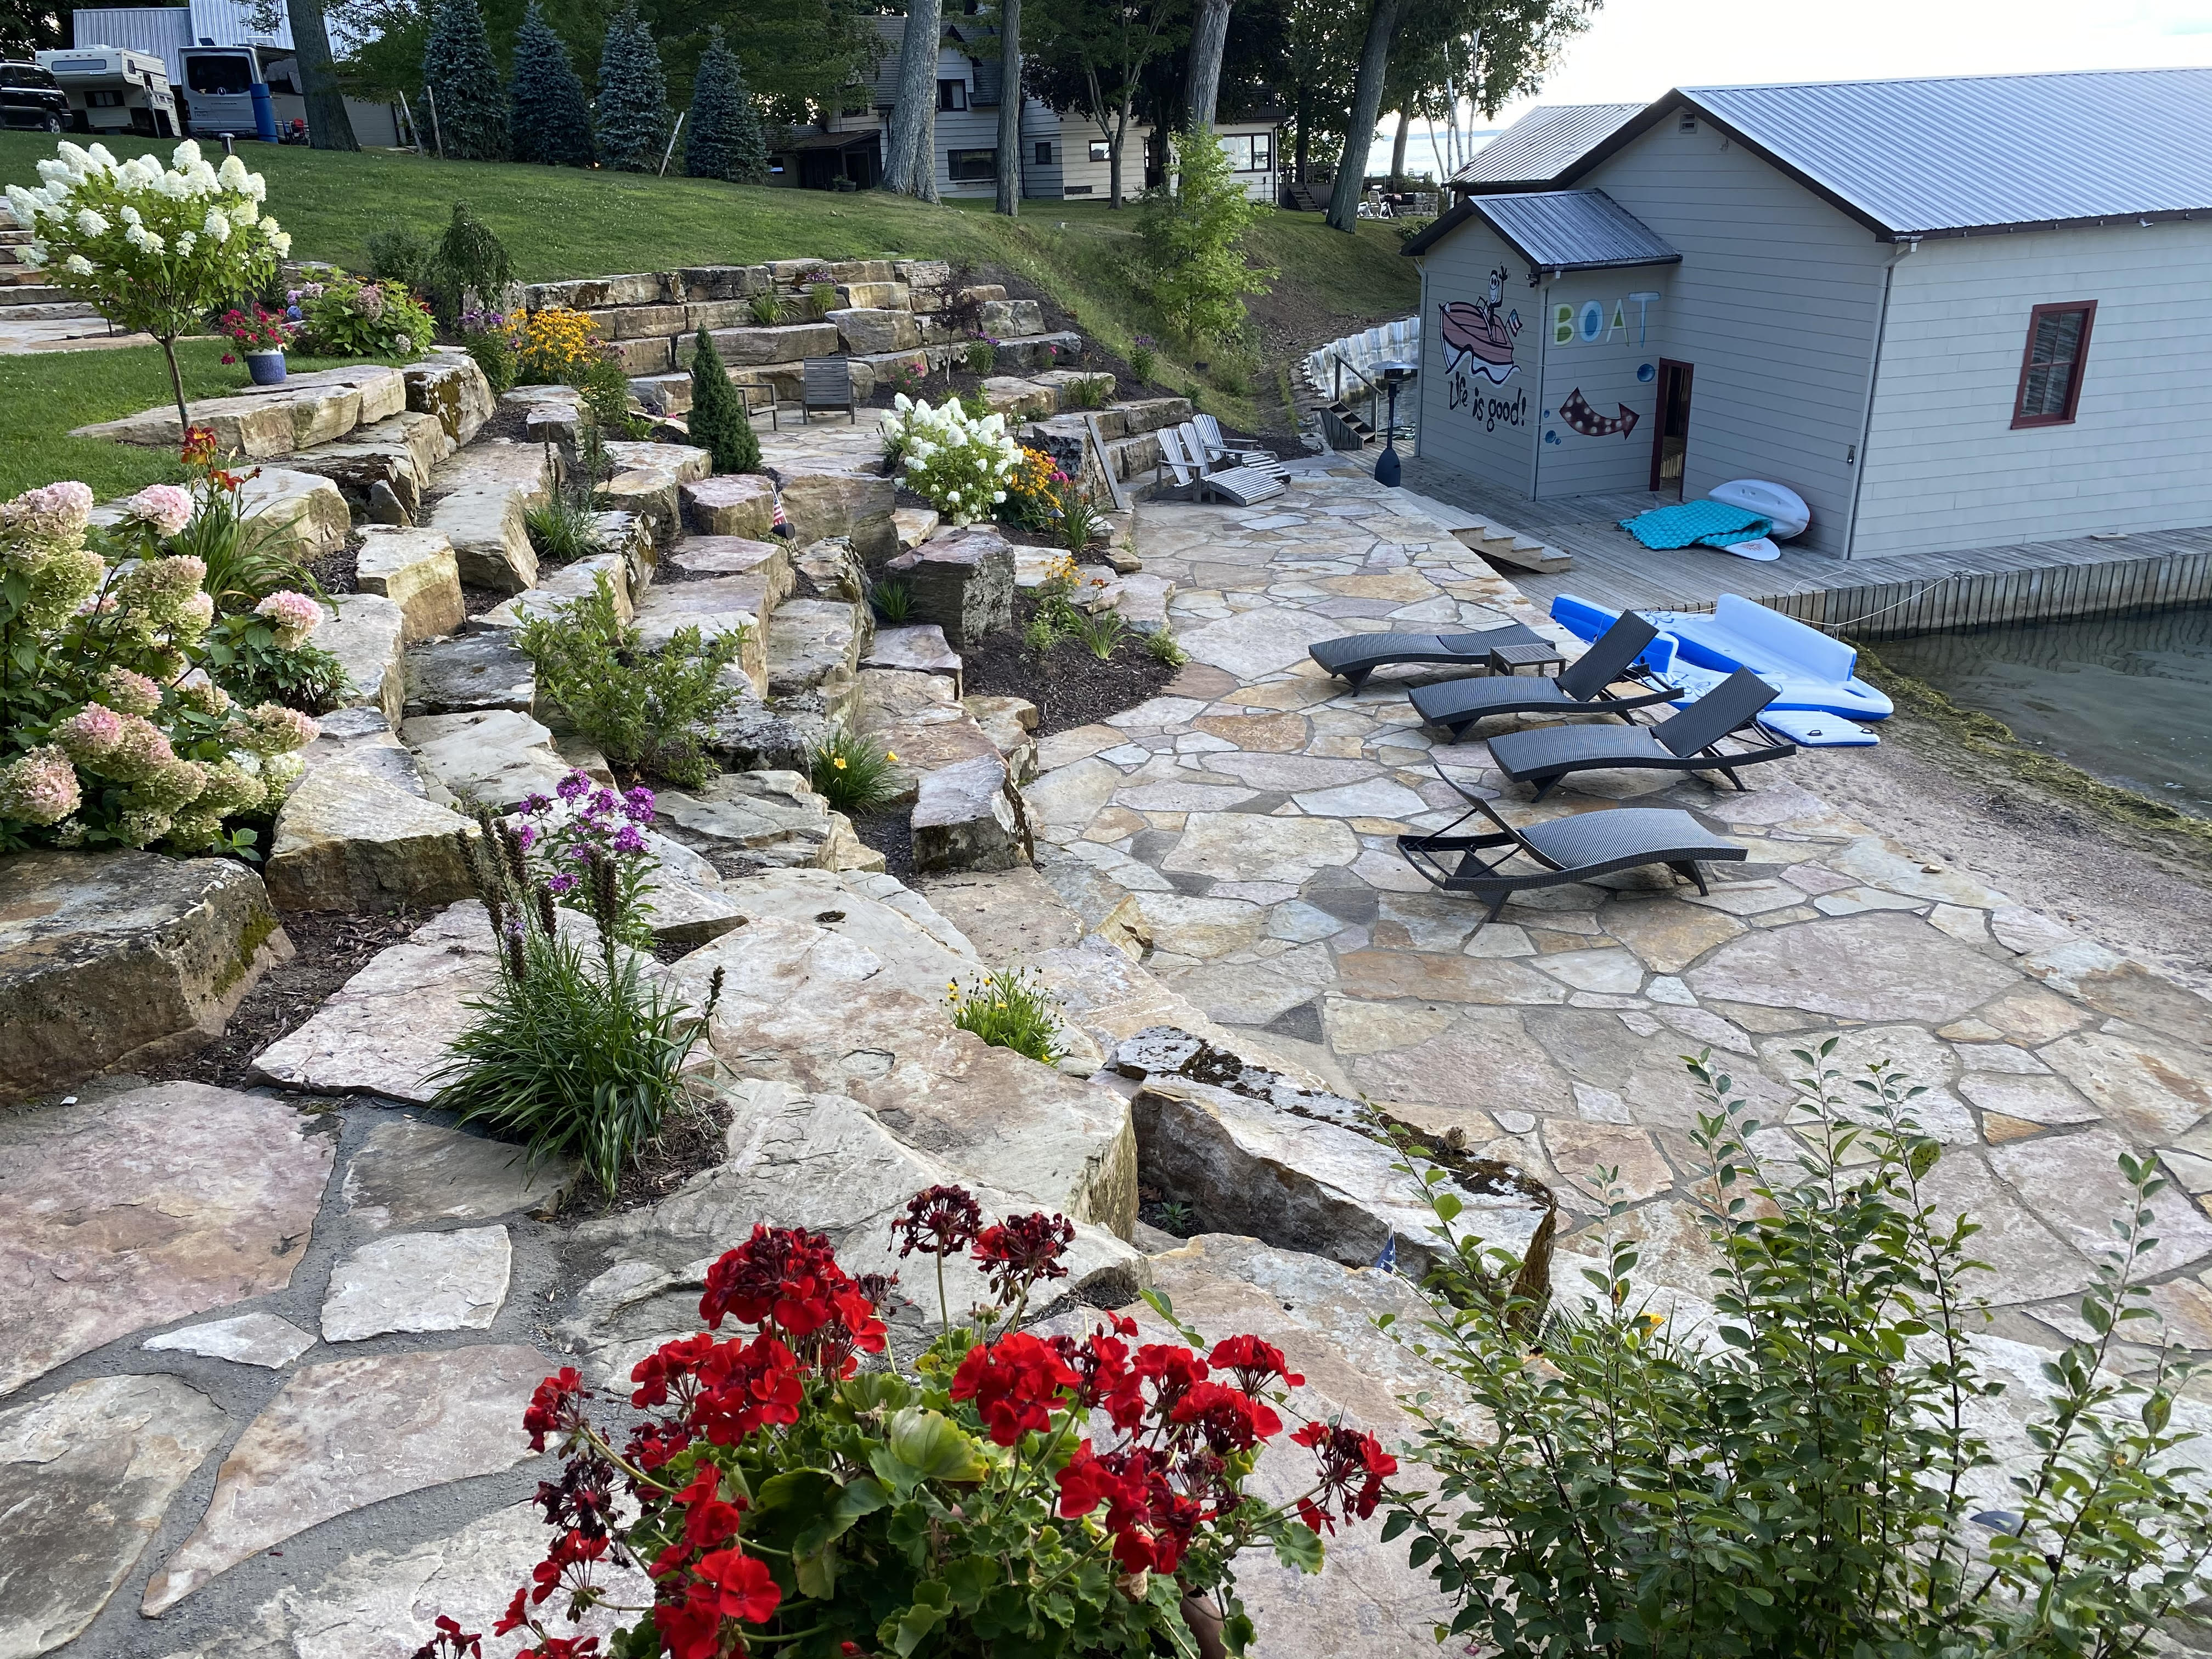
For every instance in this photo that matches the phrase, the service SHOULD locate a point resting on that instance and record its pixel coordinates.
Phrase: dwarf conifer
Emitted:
(718, 422)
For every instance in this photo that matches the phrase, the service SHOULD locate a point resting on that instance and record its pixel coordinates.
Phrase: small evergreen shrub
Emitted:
(457, 70)
(552, 120)
(470, 263)
(646, 710)
(724, 139)
(717, 423)
(853, 775)
(631, 118)
(1010, 1009)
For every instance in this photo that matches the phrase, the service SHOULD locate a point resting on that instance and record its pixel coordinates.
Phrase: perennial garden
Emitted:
(784, 850)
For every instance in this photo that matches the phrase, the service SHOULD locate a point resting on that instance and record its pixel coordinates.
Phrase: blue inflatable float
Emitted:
(1696, 650)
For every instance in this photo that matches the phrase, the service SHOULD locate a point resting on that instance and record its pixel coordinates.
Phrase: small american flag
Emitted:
(781, 525)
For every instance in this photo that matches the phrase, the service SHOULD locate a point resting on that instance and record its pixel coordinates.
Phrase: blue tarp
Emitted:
(1696, 524)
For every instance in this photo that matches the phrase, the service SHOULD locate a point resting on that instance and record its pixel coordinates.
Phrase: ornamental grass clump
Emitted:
(152, 248)
(960, 463)
(1809, 1475)
(1009, 1009)
(792, 1489)
(574, 1051)
(123, 679)
(853, 773)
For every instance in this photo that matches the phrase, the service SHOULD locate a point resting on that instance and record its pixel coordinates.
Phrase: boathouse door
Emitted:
(1670, 437)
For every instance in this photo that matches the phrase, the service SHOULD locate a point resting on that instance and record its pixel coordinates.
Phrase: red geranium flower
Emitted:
(1346, 1459)
(557, 1405)
(1227, 1419)
(938, 1221)
(1022, 1249)
(1253, 1363)
(1015, 1384)
(741, 1584)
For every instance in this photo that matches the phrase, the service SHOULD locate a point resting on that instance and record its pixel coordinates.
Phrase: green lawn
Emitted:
(560, 222)
(42, 397)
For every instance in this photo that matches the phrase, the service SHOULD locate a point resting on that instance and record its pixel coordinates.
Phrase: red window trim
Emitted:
(2035, 317)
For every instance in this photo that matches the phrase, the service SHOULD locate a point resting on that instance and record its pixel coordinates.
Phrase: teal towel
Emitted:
(1694, 524)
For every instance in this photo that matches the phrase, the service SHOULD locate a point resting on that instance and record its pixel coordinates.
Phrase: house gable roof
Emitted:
(1559, 230)
(1532, 153)
(1971, 155)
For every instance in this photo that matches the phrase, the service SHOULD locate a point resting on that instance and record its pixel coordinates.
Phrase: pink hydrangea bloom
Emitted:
(274, 729)
(130, 693)
(295, 617)
(39, 787)
(140, 752)
(55, 510)
(167, 507)
(92, 731)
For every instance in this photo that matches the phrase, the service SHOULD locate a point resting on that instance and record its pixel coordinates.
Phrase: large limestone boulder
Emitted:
(382, 467)
(768, 562)
(1007, 318)
(821, 499)
(870, 330)
(1252, 1152)
(744, 822)
(968, 816)
(815, 645)
(110, 959)
(363, 830)
(918, 717)
(451, 386)
(963, 581)
(485, 491)
(808, 1004)
(490, 757)
(301, 511)
(744, 347)
(731, 504)
(265, 423)
(416, 570)
(366, 633)
(473, 671)
(755, 736)
(564, 586)
(715, 606)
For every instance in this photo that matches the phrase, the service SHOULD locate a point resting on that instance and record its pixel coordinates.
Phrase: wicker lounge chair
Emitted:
(1687, 741)
(1240, 484)
(1573, 848)
(1354, 657)
(1581, 685)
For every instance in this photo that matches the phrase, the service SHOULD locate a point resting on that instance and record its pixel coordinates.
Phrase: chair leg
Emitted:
(1497, 910)
(1545, 787)
(1730, 775)
(1687, 869)
(1356, 678)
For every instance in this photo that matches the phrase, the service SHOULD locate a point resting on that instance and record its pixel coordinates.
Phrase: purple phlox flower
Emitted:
(563, 883)
(637, 805)
(602, 800)
(526, 836)
(577, 851)
(629, 840)
(535, 804)
(513, 925)
(574, 786)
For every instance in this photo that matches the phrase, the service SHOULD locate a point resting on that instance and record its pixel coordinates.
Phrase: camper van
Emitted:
(112, 89)
(233, 89)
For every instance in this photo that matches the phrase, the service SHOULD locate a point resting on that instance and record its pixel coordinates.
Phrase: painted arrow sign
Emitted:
(1576, 413)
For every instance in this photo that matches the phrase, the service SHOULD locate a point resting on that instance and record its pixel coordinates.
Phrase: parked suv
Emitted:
(29, 97)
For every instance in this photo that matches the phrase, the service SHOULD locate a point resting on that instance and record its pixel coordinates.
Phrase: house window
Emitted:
(1099, 150)
(1044, 153)
(971, 166)
(2051, 367)
(953, 95)
(1249, 152)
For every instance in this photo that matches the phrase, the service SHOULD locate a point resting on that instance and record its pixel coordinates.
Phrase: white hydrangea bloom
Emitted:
(90, 223)
(232, 173)
(77, 265)
(216, 225)
(34, 256)
(53, 172)
(185, 154)
(245, 213)
(186, 241)
(282, 241)
(101, 158)
(130, 215)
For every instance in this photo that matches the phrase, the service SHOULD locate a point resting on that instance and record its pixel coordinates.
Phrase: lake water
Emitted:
(2128, 698)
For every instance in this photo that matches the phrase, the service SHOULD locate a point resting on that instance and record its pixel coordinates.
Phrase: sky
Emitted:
(1634, 50)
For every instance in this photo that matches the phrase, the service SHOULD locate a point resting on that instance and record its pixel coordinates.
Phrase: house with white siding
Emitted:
(1949, 313)
(1063, 157)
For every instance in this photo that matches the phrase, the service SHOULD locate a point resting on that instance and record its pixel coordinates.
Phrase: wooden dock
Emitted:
(1869, 598)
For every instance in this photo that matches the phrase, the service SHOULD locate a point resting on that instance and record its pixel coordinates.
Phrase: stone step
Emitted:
(966, 811)
(55, 311)
(716, 605)
(963, 581)
(14, 235)
(815, 646)
(1039, 351)
(744, 822)
(1011, 724)
(364, 828)
(733, 504)
(383, 470)
(480, 496)
(917, 648)
(307, 411)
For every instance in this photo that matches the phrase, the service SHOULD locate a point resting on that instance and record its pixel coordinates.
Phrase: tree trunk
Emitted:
(910, 161)
(1304, 146)
(1398, 152)
(1114, 164)
(1207, 42)
(328, 125)
(1010, 108)
(1366, 110)
(176, 384)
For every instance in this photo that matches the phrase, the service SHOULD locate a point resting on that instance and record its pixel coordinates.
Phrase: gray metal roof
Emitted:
(1542, 144)
(1982, 152)
(1573, 230)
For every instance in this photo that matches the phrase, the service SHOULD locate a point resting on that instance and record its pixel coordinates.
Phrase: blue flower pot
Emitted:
(267, 367)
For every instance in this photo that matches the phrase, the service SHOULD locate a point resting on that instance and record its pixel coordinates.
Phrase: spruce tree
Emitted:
(717, 423)
(552, 123)
(632, 118)
(723, 138)
(457, 70)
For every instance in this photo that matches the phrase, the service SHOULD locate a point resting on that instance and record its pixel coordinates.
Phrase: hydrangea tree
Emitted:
(153, 248)
(962, 463)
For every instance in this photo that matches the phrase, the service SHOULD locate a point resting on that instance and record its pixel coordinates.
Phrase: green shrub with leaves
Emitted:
(398, 253)
(717, 423)
(979, 357)
(1193, 235)
(824, 298)
(357, 317)
(574, 1051)
(1801, 1483)
(470, 265)
(649, 710)
(1009, 1009)
(853, 773)
(767, 308)
(1162, 647)
(1143, 360)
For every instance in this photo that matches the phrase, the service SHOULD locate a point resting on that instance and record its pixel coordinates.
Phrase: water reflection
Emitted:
(2128, 698)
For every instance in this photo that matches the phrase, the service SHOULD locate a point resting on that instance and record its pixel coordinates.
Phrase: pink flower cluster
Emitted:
(167, 508)
(39, 787)
(295, 617)
(54, 512)
(270, 728)
(129, 692)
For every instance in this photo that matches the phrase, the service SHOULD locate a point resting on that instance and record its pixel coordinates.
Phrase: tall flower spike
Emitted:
(475, 861)
(549, 917)
(606, 893)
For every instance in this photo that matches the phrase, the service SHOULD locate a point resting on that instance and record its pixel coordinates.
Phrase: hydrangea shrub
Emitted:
(960, 464)
(112, 732)
(153, 247)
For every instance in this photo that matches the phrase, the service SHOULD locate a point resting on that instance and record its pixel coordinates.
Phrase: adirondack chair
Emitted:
(1179, 454)
(826, 383)
(1218, 452)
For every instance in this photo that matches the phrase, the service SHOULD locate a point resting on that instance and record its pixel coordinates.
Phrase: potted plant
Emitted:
(1052, 1492)
(260, 336)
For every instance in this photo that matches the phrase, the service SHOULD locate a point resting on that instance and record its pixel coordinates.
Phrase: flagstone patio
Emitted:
(1250, 813)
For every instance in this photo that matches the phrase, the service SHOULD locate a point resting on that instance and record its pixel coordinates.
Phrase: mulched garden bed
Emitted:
(691, 1141)
(889, 832)
(330, 948)
(1070, 687)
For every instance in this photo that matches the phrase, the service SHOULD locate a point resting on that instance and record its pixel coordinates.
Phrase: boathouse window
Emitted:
(2050, 368)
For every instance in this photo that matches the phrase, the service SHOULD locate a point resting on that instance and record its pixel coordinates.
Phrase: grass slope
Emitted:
(560, 222)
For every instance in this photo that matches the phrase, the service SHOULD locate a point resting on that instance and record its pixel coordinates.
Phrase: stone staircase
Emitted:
(25, 293)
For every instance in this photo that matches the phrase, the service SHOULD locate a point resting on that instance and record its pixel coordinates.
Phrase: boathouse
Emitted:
(1948, 313)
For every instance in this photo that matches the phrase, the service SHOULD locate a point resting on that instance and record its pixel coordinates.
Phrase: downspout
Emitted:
(1421, 425)
(1898, 254)
(1543, 372)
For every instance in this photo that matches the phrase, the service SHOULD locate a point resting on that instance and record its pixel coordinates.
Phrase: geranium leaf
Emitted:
(970, 1579)
(1298, 1546)
(935, 1447)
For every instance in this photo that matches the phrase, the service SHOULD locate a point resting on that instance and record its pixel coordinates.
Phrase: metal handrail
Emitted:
(1374, 391)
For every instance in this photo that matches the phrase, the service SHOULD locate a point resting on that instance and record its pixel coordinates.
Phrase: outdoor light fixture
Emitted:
(1386, 464)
